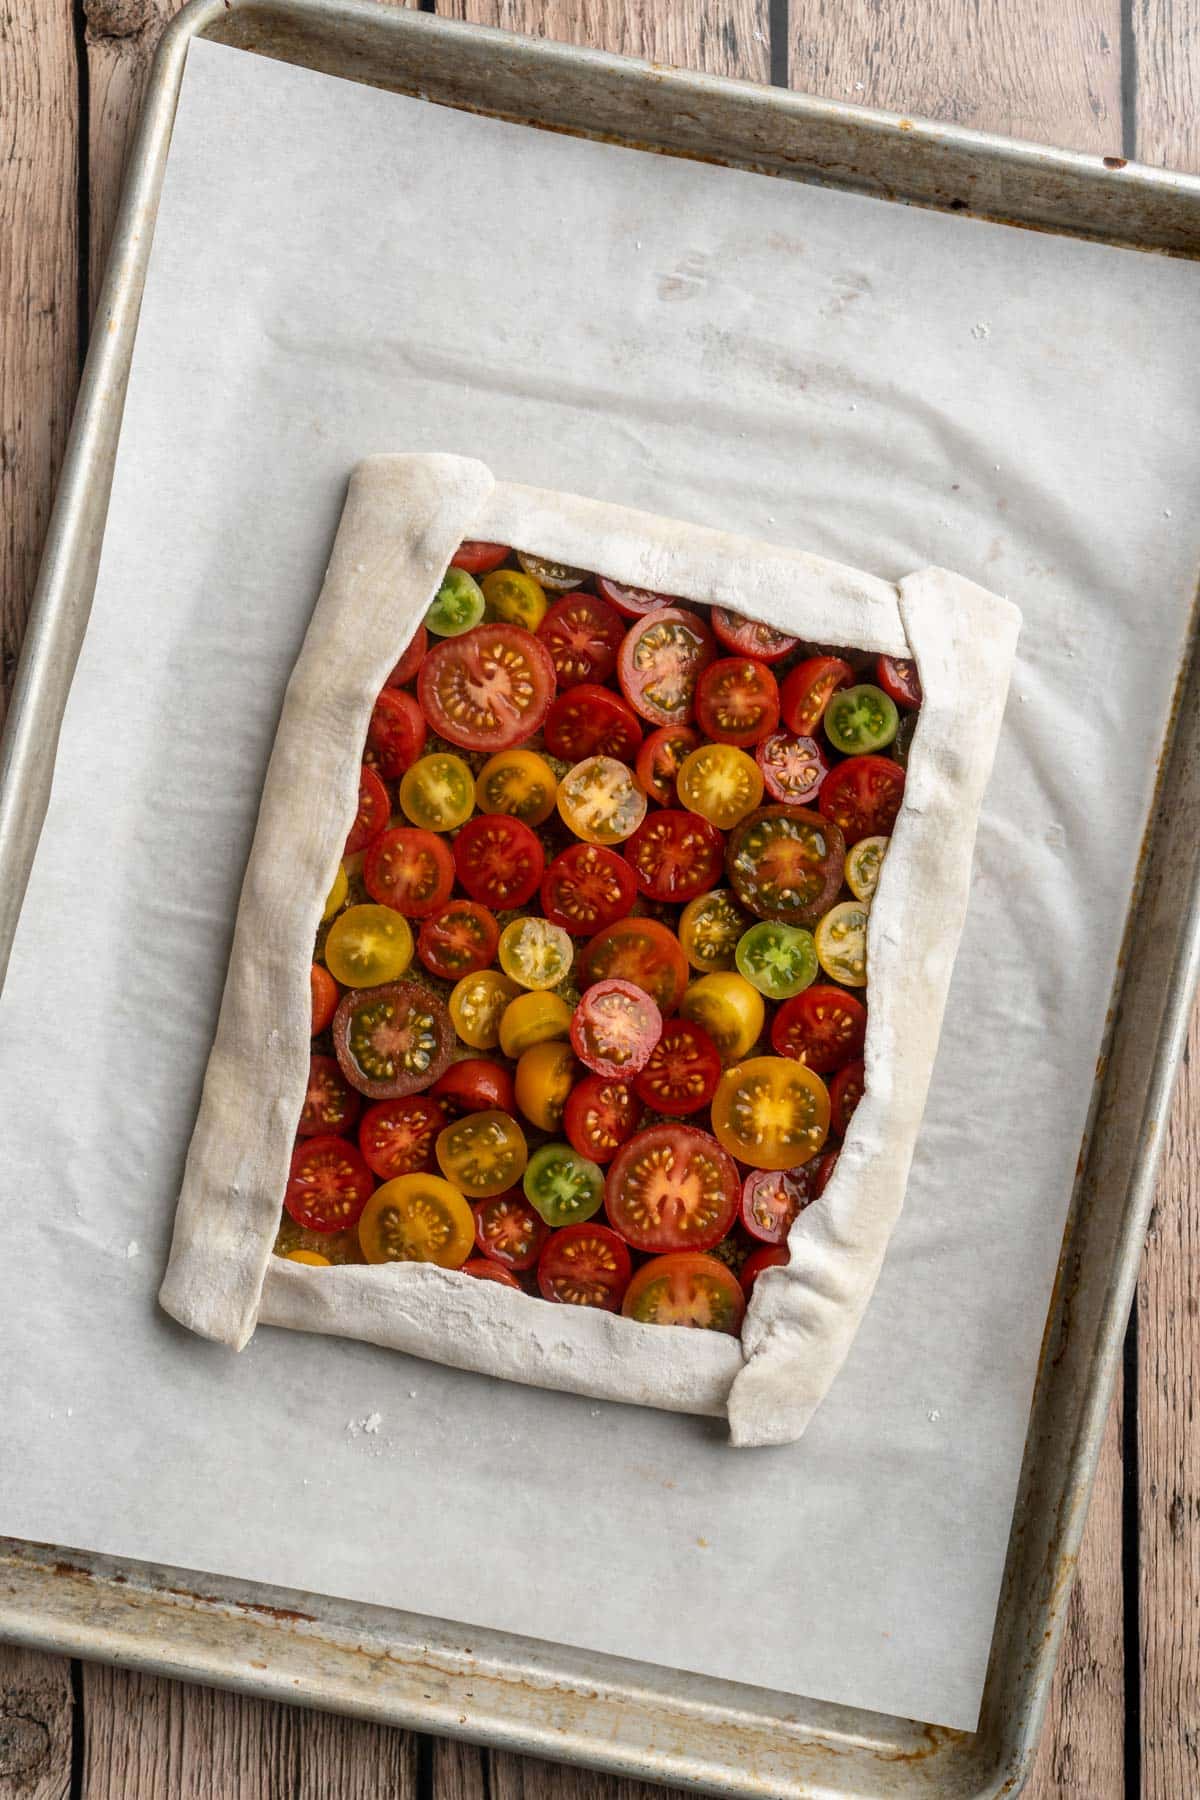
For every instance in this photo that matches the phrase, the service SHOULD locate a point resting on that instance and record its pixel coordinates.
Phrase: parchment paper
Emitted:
(338, 271)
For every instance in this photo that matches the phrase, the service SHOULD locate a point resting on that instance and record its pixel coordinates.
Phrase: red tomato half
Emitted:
(458, 940)
(642, 951)
(585, 1265)
(485, 1270)
(793, 768)
(508, 1230)
(660, 663)
(325, 996)
(396, 734)
(592, 721)
(487, 689)
(737, 701)
(614, 1028)
(397, 1137)
(899, 679)
(686, 1289)
(845, 1091)
(476, 1084)
(328, 1184)
(410, 870)
(750, 637)
(672, 1188)
(586, 888)
(410, 662)
(392, 1040)
(374, 810)
(771, 1199)
(601, 1114)
(633, 602)
(331, 1104)
(863, 795)
(478, 558)
(583, 636)
(675, 855)
(806, 691)
(498, 860)
(682, 1073)
(771, 1256)
(824, 1027)
(659, 758)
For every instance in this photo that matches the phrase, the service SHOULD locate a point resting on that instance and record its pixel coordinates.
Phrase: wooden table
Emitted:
(1111, 76)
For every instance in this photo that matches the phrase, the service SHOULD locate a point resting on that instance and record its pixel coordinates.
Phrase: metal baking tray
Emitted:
(630, 1718)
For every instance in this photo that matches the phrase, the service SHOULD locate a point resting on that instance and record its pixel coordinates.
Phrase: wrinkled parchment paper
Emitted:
(338, 271)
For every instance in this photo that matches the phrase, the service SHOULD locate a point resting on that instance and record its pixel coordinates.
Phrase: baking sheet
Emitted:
(338, 271)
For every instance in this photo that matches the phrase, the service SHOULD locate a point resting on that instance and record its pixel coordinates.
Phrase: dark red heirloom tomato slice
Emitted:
(793, 768)
(824, 1166)
(592, 721)
(898, 678)
(478, 558)
(862, 796)
(328, 1184)
(458, 940)
(509, 1231)
(845, 1091)
(806, 690)
(325, 996)
(485, 1270)
(660, 663)
(672, 1188)
(659, 758)
(583, 635)
(750, 637)
(585, 1265)
(498, 860)
(633, 602)
(686, 1289)
(824, 1027)
(642, 951)
(392, 1040)
(396, 734)
(786, 863)
(737, 701)
(397, 1137)
(683, 1071)
(614, 1028)
(331, 1104)
(476, 1084)
(410, 870)
(374, 810)
(771, 1198)
(600, 1115)
(586, 888)
(771, 1256)
(675, 855)
(487, 689)
(410, 662)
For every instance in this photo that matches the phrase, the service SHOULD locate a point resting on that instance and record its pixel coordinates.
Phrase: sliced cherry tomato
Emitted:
(633, 602)
(861, 718)
(686, 1289)
(508, 1230)
(438, 792)
(374, 810)
(793, 768)
(368, 944)
(675, 855)
(487, 689)
(771, 1199)
(864, 865)
(546, 1073)
(325, 996)
(901, 745)
(392, 1040)
(825, 1165)
(898, 678)
(498, 860)
(535, 953)
(417, 1218)
(614, 1028)
(519, 782)
(484, 1270)
(779, 960)
(600, 1115)
(585, 1265)
(660, 759)
(396, 734)
(410, 662)
(514, 597)
(841, 941)
(592, 721)
(824, 1027)
(483, 1153)
(557, 576)
(771, 1112)
(335, 899)
(583, 636)
(845, 1091)
(862, 796)
(750, 637)
(311, 1258)
(660, 663)
(328, 1184)
(720, 783)
(737, 701)
(806, 690)
(458, 939)
(531, 1019)
(477, 558)
(562, 1186)
(331, 1104)
(729, 1009)
(786, 863)
(335, 1247)
(642, 951)
(586, 888)
(476, 1084)
(397, 1136)
(410, 870)
(672, 1188)
(771, 1256)
(478, 1004)
(600, 801)
(683, 1070)
(709, 929)
(457, 606)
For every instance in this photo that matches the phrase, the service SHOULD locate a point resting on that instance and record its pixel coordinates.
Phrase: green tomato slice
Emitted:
(860, 719)
(457, 606)
(779, 960)
(563, 1187)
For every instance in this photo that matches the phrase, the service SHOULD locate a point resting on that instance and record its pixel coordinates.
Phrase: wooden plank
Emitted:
(723, 37)
(36, 1711)
(1166, 45)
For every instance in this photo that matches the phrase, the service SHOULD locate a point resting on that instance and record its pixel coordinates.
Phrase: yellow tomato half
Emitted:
(515, 597)
(312, 1258)
(545, 1076)
(771, 1112)
(864, 863)
(709, 929)
(417, 1218)
(536, 953)
(337, 894)
(841, 940)
(368, 945)
(519, 782)
(483, 1153)
(721, 783)
(533, 1019)
(600, 801)
(729, 1009)
(477, 1005)
(438, 792)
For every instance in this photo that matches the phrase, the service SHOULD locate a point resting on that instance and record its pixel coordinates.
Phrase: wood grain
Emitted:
(35, 1725)
(723, 37)
(1166, 82)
